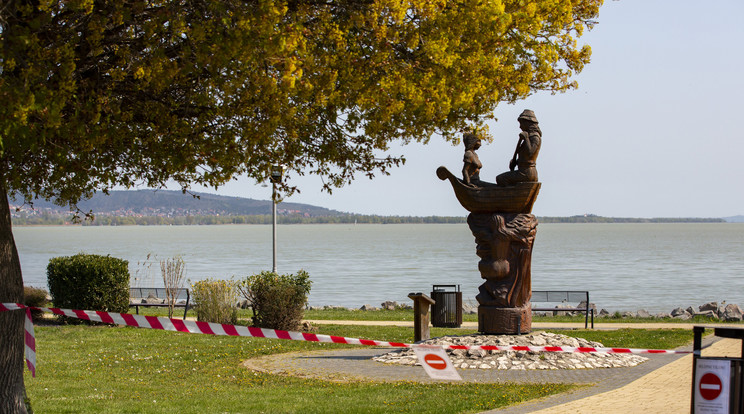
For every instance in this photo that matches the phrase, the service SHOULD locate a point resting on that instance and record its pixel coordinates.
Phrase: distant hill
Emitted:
(175, 203)
(149, 207)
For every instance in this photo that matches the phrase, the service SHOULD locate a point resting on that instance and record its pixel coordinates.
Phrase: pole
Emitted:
(273, 217)
(697, 345)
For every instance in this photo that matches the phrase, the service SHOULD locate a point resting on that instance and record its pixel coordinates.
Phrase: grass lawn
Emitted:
(407, 315)
(84, 369)
(98, 369)
(634, 338)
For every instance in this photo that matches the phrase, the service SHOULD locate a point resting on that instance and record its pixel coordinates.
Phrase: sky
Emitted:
(652, 131)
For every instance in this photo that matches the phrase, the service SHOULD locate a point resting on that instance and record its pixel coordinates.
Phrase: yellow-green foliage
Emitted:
(100, 94)
(215, 301)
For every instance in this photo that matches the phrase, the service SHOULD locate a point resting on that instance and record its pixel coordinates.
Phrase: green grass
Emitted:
(84, 369)
(406, 315)
(129, 370)
(615, 319)
(360, 315)
(634, 338)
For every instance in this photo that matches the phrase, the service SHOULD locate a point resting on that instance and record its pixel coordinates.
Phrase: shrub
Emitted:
(172, 271)
(37, 298)
(215, 301)
(89, 282)
(278, 301)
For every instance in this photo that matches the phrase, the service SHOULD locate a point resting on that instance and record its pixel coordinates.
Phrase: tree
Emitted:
(99, 94)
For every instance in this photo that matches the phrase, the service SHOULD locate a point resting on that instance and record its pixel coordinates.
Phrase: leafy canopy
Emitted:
(103, 93)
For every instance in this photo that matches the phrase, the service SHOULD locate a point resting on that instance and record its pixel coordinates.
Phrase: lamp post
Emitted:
(277, 171)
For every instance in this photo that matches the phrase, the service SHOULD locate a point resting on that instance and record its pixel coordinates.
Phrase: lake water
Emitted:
(624, 266)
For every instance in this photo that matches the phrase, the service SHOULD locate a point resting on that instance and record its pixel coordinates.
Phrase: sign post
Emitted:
(717, 382)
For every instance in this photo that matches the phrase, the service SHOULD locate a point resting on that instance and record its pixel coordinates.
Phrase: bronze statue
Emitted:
(471, 163)
(525, 155)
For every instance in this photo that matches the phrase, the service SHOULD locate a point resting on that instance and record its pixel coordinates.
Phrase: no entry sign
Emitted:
(712, 385)
(436, 363)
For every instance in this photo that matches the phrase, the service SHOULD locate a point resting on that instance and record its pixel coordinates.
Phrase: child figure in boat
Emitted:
(525, 155)
(471, 163)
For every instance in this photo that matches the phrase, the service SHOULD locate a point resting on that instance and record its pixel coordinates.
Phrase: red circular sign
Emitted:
(710, 386)
(435, 361)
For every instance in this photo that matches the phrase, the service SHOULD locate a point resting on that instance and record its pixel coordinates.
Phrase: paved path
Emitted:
(664, 390)
(660, 385)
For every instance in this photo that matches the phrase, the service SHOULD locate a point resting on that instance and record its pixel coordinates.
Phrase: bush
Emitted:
(172, 271)
(37, 298)
(278, 301)
(215, 301)
(89, 282)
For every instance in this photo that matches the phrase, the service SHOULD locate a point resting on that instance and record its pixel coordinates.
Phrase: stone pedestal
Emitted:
(493, 320)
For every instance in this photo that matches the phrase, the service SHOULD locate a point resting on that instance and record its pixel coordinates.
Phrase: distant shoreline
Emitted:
(107, 220)
(164, 207)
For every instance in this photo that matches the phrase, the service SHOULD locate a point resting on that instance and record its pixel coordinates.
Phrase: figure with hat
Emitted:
(525, 154)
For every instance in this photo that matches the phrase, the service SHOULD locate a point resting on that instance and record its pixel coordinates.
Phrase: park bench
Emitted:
(561, 296)
(156, 297)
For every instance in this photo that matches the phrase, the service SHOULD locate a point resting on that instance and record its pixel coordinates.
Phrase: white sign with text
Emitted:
(436, 363)
(712, 385)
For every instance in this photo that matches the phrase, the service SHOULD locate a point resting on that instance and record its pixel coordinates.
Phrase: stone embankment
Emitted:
(387, 305)
(712, 310)
(518, 360)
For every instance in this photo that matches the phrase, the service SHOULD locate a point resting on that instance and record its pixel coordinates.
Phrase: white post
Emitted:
(277, 171)
(273, 216)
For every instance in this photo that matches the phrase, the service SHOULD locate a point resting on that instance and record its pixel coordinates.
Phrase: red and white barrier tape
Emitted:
(154, 322)
(30, 343)
(29, 347)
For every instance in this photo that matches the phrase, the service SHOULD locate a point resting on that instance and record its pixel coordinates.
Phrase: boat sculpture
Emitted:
(486, 197)
(504, 228)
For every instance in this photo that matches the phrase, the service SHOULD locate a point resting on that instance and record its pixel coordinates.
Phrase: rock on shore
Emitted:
(518, 360)
(723, 311)
(712, 310)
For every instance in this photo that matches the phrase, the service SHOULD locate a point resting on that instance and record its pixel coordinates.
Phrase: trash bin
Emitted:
(717, 382)
(446, 311)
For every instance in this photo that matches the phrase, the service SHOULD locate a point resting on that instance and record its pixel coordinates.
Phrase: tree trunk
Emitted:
(12, 390)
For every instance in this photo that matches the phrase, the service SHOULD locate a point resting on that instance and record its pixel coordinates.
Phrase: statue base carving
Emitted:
(504, 244)
(493, 320)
